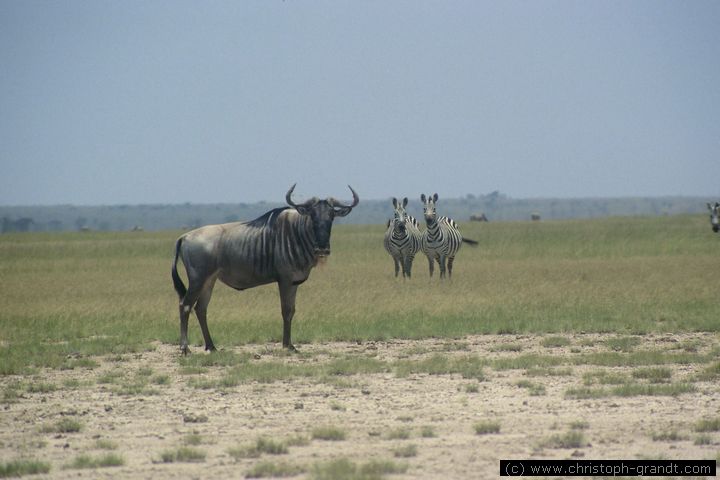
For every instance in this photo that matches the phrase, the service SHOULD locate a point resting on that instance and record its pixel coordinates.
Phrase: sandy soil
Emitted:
(367, 407)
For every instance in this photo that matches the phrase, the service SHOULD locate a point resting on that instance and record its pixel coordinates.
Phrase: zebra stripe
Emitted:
(402, 238)
(442, 238)
(714, 216)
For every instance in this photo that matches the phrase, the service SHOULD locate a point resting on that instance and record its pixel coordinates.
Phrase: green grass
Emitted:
(87, 461)
(65, 425)
(708, 425)
(653, 374)
(627, 276)
(631, 390)
(345, 469)
(555, 342)
(328, 432)
(623, 344)
(18, 468)
(183, 454)
(406, 451)
(534, 389)
(571, 439)
(401, 433)
(486, 427)
(268, 469)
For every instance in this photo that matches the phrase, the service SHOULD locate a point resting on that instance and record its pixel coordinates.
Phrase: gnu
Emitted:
(402, 238)
(281, 246)
(714, 215)
(442, 239)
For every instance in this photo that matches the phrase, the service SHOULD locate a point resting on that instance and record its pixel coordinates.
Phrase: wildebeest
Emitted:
(281, 246)
(714, 215)
(402, 238)
(442, 239)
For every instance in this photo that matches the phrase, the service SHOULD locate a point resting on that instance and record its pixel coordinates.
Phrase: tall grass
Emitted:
(100, 293)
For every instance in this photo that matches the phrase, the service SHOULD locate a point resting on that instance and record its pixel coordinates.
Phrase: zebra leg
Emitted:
(201, 312)
(408, 265)
(450, 262)
(288, 292)
(403, 266)
(397, 266)
(432, 265)
(441, 261)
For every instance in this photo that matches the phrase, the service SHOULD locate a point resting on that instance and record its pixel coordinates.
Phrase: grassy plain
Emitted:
(69, 295)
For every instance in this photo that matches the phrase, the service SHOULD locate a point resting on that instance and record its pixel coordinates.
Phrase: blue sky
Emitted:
(110, 102)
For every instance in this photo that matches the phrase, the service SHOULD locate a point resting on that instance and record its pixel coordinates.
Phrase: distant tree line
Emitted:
(495, 206)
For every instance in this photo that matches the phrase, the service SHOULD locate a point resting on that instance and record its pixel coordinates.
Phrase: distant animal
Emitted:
(402, 238)
(535, 217)
(478, 218)
(442, 239)
(281, 246)
(714, 215)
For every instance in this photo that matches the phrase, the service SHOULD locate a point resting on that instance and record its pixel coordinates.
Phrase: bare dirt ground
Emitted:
(371, 409)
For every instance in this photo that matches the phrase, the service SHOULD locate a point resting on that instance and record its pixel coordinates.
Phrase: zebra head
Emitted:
(429, 208)
(321, 214)
(400, 215)
(714, 215)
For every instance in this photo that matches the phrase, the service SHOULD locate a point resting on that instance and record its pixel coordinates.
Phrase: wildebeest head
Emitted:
(714, 215)
(322, 213)
(429, 207)
(400, 215)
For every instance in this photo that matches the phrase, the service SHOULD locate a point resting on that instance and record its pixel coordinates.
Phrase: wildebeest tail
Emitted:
(177, 281)
(471, 242)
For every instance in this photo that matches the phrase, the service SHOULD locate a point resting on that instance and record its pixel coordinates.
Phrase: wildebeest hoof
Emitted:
(185, 350)
(210, 348)
(291, 348)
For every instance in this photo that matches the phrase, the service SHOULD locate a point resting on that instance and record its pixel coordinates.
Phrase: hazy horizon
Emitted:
(172, 102)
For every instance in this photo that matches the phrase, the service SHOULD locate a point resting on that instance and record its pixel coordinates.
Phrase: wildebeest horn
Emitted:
(356, 200)
(288, 196)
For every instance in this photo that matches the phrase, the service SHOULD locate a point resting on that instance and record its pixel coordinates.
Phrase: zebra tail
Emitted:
(471, 242)
(177, 281)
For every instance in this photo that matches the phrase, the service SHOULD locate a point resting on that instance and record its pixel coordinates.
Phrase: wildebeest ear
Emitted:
(405, 202)
(342, 211)
(435, 197)
(395, 202)
(422, 197)
(303, 209)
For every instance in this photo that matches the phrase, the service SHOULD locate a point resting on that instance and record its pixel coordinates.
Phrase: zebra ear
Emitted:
(405, 202)
(395, 202)
(435, 197)
(422, 197)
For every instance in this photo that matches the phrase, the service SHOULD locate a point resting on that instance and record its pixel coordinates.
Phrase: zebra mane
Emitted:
(448, 221)
(267, 219)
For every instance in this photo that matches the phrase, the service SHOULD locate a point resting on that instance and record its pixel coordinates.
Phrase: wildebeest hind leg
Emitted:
(201, 312)
(186, 305)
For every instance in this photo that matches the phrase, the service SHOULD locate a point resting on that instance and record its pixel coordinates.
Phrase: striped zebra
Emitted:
(442, 239)
(402, 238)
(714, 216)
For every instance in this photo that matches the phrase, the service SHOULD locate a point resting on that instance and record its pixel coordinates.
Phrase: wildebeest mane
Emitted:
(267, 219)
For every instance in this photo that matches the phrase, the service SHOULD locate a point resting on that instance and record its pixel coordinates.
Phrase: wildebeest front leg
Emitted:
(287, 304)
